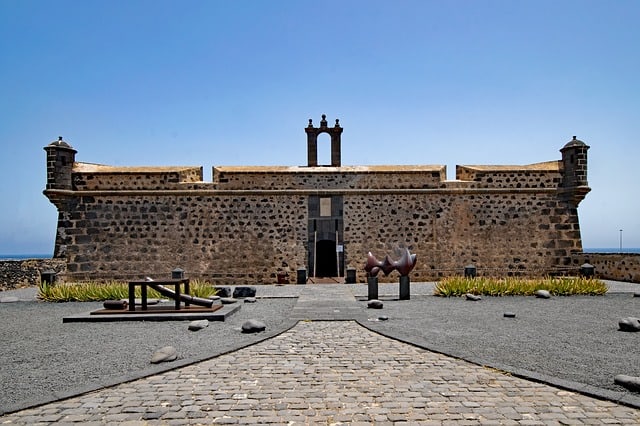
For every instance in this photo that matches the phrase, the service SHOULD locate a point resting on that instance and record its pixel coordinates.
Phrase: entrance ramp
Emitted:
(327, 302)
(325, 280)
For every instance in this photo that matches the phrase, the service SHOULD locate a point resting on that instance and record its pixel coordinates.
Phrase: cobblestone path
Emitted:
(330, 372)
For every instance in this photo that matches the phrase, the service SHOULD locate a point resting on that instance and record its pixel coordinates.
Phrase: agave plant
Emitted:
(512, 286)
(113, 290)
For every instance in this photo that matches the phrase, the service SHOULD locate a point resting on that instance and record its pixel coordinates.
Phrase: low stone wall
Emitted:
(612, 266)
(26, 273)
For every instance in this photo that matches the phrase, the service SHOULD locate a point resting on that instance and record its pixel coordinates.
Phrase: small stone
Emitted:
(166, 354)
(542, 294)
(9, 299)
(223, 291)
(472, 297)
(375, 304)
(636, 294)
(509, 315)
(253, 326)
(250, 300)
(629, 382)
(240, 292)
(228, 300)
(383, 318)
(198, 325)
(214, 297)
(629, 324)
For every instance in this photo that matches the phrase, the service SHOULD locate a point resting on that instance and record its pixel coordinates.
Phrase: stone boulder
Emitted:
(629, 324)
(223, 291)
(629, 382)
(375, 304)
(253, 326)
(250, 300)
(472, 297)
(509, 315)
(228, 300)
(166, 354)
(241, 292)
(198, 325)
(542, 294)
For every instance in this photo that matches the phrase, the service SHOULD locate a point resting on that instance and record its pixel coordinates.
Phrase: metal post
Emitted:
(372, 283)
(621, 241)
(315, 251)
(337, 254)
(404, 288)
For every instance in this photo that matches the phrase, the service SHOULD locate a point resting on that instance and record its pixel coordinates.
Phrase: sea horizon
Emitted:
(624, 250)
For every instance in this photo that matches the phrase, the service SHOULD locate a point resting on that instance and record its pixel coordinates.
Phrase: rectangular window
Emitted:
(325, 206)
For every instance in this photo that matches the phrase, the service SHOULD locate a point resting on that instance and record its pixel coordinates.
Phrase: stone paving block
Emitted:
(337, 372)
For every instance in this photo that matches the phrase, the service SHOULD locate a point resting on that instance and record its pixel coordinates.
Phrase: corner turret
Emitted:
(574, 170)
(60, 159)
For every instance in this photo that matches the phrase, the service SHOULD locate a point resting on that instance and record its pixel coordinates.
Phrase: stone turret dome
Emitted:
(574, 143)
(60, 143)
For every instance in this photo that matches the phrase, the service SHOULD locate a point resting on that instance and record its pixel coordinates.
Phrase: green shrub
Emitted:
(114, 290)
(559, 286)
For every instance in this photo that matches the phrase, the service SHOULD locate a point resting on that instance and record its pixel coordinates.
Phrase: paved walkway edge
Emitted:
(624, 398)
(151, 371)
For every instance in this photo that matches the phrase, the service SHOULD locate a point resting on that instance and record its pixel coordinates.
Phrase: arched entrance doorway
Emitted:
(326, 260)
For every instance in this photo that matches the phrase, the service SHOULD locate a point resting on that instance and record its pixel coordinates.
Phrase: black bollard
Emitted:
(587, 270)
(177, 274)
(351, 276)
(470, 271)
(301, 276)
(372, 282)
(405, 293)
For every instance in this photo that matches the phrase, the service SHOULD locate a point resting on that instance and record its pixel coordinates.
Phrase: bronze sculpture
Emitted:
(404, 265)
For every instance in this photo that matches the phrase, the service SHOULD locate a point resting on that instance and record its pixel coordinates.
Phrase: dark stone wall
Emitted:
(502, 235)
(612, 266)
(26, 273)
(252, 223)
(217, 237)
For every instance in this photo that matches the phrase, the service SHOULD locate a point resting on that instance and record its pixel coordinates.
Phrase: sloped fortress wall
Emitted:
(251, 223)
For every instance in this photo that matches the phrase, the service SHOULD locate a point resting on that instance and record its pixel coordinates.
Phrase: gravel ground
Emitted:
(43, 359)
(569, 338)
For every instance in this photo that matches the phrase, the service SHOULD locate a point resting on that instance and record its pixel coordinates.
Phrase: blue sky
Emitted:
(234, 83)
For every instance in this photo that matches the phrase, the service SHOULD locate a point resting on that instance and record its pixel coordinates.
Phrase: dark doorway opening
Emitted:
(326, 263)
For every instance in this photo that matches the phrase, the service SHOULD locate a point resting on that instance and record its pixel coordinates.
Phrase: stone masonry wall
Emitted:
(134, 179)
(612, 266)
(287, 178)
(510, 234)
(26, 273)
(542, 175)
(251, 223)
(217, 237)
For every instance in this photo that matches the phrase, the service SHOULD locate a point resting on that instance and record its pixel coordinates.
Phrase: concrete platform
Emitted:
(219, 314)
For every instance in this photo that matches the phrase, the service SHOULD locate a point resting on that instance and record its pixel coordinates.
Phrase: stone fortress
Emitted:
(253, 224)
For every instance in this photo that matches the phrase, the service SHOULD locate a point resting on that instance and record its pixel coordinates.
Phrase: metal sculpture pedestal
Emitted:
(404, 287)
(372, 283)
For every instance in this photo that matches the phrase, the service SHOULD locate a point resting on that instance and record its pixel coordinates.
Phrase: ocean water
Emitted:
(25, 256)
(612, 250)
